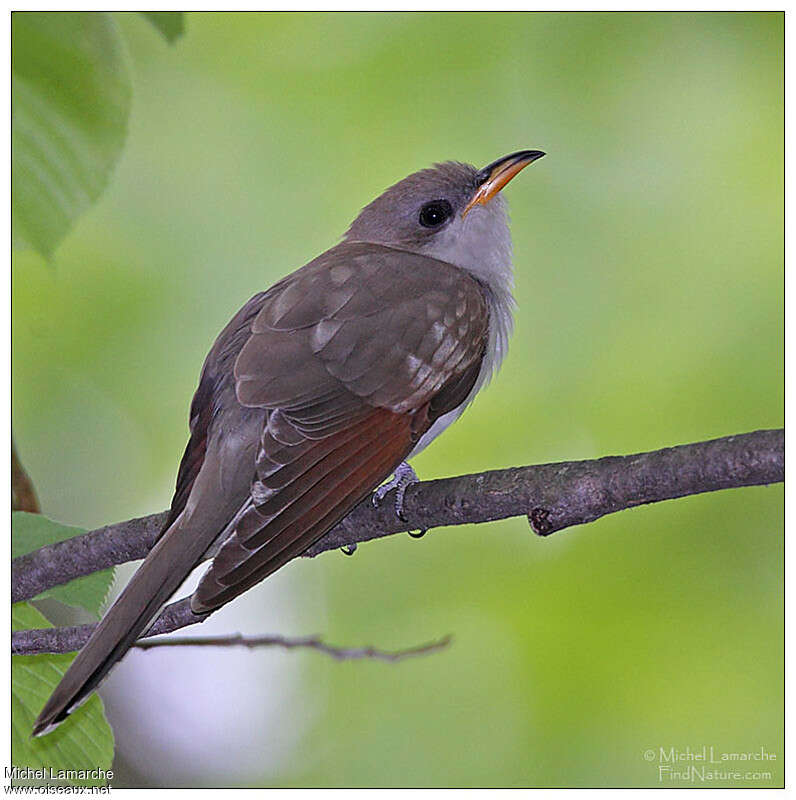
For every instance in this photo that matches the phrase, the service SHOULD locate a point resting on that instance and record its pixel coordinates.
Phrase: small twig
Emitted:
(310, 642)
(179, 615)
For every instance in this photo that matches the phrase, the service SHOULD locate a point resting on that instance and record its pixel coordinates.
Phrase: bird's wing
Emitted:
(216, 377)
(353, 357)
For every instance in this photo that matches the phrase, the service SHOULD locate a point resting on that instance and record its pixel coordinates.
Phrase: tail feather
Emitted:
(163, 570)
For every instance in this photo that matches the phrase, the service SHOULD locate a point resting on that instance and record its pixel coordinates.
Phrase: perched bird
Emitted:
(321, 388)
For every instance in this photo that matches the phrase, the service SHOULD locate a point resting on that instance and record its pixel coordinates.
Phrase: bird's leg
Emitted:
(403, 478)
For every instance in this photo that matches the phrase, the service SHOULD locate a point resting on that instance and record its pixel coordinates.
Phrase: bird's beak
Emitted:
(497, 174)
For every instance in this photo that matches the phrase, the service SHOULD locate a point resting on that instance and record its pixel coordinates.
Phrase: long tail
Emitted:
(164, 569)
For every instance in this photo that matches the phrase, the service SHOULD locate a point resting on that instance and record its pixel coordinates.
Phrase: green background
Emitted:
(649, 260)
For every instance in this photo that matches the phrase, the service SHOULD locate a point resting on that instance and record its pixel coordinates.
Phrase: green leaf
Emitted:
(70, 95)
(29, 532)
(170, 23)
(83, 742)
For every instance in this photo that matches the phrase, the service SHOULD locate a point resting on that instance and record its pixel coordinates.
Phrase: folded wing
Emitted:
(353, 357)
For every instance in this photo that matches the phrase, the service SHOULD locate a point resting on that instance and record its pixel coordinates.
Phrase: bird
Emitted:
(321, 388)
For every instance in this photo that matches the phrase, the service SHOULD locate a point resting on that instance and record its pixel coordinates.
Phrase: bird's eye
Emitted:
(433, 214)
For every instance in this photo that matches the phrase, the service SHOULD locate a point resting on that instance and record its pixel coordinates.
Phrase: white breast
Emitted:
(501, 322)
(481, 244)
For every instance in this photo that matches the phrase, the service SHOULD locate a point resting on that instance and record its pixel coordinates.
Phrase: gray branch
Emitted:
(67, 639)
(551, 496)
(179, 615)
(305, 642)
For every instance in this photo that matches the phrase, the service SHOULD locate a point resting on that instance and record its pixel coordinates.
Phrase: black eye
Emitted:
(433, 214)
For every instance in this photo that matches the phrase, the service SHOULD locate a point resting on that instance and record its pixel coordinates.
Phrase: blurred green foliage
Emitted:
(649, 259)
(85, 744)
(170, 23)
(71, 90)
(71, 98)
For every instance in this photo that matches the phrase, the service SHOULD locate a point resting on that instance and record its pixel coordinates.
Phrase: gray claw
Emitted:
(404, 477)
(348, 549)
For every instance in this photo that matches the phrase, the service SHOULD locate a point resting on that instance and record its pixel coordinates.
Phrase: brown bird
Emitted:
(319, 389)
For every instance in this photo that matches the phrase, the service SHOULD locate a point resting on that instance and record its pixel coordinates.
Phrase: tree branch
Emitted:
(551, 496)
(179, 615)
(81, 555)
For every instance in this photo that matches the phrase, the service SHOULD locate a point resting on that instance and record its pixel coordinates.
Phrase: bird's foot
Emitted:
(404, 477)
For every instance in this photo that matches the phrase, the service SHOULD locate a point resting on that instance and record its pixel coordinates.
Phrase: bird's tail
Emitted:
(163, 570)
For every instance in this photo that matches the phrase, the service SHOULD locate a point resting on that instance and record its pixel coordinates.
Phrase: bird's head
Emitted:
(452, 211)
